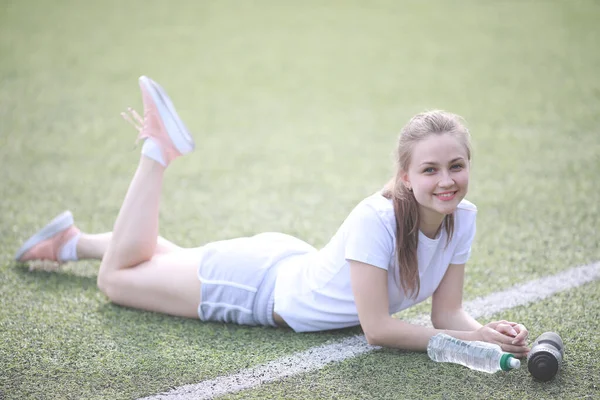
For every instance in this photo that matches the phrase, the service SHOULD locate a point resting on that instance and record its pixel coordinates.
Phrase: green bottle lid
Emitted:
(508, 362)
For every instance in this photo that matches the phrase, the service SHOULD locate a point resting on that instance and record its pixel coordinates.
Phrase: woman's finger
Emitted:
(499, 338)
(505, 342)
(514, 349)
(137, 116)
(494, 324)
(519, 355)
(506, 329)
(128, 118)
(518, 327)
(522, 335)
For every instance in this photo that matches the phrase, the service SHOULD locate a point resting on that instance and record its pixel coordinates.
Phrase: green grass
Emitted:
(394, 374)
(295, 108)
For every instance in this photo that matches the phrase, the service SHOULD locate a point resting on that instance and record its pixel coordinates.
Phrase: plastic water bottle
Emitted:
(479, 356)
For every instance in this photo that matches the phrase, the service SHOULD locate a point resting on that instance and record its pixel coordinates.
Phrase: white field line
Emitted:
(317, 357)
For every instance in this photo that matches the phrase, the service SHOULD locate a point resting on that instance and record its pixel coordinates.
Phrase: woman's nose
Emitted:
(446, 180)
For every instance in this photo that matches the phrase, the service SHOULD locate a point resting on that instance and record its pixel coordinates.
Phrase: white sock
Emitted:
(69, 251)
(151, 150)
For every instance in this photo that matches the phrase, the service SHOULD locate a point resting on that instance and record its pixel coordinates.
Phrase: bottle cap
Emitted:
(551, 339)
(515, 363)
(543, 365)
(508, 362)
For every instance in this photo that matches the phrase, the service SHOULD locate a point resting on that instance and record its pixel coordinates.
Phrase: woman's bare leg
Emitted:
(135, 232)
(94, 246)
(130, 273)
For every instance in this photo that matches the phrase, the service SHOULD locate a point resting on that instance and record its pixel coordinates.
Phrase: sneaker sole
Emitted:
(178, 132)
(58, 224)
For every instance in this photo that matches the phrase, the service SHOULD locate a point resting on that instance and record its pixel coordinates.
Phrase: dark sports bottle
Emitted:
(545, 357)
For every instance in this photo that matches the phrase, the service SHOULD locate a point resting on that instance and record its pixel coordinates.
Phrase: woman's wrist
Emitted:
(476, 335)
(463, 335)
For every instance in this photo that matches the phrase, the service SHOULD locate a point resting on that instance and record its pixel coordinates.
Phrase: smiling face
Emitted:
(438, 175)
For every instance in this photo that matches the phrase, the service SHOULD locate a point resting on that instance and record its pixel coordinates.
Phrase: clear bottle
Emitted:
(479, 356)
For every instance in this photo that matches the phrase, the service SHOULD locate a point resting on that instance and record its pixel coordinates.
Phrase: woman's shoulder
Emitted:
(376, 209)
(376, 205)
(378, 202)
(465, 216)
(465, 206)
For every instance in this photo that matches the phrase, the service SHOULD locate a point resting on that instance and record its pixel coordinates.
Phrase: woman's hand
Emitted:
(517, 331)
(510, 336)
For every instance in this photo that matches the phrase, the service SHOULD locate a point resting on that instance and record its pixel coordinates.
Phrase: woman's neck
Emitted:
(430, 223)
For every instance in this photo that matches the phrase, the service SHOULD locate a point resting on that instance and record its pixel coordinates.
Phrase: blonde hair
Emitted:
(406, 208)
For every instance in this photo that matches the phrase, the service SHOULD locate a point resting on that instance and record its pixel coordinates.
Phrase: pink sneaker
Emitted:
(161, 122)
(47, 243)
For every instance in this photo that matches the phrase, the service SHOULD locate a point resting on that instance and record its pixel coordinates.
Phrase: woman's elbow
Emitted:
(370, 337)
(373, 339)
(375, 335)
(437, 321)
(443, 319)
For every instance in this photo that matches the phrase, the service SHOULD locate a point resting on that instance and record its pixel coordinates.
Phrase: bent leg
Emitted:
(130, 273)
(135, 232)
(94, 246)
(168, 283)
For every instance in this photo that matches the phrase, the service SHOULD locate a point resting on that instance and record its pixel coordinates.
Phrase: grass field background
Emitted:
(295, 109)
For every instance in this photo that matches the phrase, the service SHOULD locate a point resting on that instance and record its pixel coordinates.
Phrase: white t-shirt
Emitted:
(313, 291)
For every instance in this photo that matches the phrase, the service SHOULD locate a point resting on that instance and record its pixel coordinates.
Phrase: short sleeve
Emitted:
(462, 253)
(368, 240)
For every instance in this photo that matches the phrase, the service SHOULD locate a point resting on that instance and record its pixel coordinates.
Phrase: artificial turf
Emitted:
(395, 374)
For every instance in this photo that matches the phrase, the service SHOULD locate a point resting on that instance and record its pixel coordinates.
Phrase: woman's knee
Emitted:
(108, 281)
(103, 282)
(115, 287)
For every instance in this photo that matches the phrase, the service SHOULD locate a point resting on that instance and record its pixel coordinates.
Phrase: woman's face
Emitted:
(438, 175)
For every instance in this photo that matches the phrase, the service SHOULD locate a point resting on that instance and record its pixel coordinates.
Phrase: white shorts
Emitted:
(238, 277)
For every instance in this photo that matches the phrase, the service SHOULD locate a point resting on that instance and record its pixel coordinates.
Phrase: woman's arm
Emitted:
(446, 308)
(447, 313)
(369, 285)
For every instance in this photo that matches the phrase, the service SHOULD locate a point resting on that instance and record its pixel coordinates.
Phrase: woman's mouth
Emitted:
(445, 196)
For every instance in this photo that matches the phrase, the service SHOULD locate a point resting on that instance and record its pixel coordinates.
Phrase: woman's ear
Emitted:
(405, 180)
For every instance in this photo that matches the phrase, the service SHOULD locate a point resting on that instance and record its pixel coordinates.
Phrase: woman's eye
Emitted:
(457, 166)
(429, 170)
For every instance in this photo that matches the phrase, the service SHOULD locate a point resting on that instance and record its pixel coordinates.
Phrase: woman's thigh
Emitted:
(168, 283)
(165, 246)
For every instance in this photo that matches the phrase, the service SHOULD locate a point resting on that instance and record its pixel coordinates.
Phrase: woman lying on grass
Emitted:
(395, 249)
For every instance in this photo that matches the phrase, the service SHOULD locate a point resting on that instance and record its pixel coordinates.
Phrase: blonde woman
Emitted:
(396, 248)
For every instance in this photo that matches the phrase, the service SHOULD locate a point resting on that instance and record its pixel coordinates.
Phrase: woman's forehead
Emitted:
(438, 149)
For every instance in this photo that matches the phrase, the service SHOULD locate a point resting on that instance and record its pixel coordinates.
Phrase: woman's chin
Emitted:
(447, 209)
